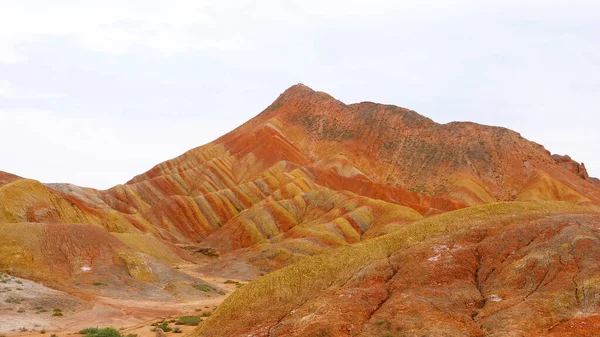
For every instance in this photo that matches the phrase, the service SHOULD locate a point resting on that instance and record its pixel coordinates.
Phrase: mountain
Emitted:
(363, 218)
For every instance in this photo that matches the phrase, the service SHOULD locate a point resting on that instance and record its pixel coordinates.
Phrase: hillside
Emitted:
(332, 202)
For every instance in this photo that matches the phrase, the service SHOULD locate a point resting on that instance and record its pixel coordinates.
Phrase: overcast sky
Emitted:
(95, 92)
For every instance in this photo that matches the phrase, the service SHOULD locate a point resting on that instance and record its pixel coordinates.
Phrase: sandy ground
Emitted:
(32, 309)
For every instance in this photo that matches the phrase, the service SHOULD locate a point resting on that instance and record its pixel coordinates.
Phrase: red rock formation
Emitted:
(311, 174)
(495, 270)
(571, 165)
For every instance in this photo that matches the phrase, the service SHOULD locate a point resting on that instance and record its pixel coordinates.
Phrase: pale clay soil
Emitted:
(37, 304)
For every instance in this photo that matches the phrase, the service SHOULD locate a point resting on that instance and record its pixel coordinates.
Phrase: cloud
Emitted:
(96, 152)
(173, 75)
(8, 90)
(116, 27)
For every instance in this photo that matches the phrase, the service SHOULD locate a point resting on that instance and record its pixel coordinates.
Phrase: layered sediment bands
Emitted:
(6, 178)
(87, 260)
(373, 211)
(55, 253)
(399, 147)
(323, 217)
(443, 275)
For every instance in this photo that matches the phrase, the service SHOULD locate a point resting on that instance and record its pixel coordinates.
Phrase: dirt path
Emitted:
(129, 316)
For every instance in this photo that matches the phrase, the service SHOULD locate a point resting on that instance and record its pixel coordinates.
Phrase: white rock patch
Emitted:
(434, 258)
(496, 298)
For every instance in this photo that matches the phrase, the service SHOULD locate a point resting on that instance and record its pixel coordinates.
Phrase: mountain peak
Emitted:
(302, 93)
(299, 87)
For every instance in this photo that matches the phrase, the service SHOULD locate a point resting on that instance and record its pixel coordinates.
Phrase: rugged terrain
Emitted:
(362, 219)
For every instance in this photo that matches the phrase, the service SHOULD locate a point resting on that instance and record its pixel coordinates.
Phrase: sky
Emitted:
(96, 92)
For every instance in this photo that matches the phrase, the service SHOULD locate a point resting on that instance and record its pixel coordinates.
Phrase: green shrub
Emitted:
(189, 320)
(177, 330)
(164, 327)
(89, 331)
(99, 283)
(96, 332)
(43, 331)
(206, 314)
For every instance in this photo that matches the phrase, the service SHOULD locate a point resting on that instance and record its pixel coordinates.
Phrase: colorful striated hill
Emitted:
(368, 219)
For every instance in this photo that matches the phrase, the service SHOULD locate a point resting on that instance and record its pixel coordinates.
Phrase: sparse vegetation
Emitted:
(99, 283)
(237, 284)
(177, 330)
(163, 326)
(13, 300)
(43, 331)
(206, 314)
(202, 287)
(100, 332)
(189, 320)
(57, 312)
